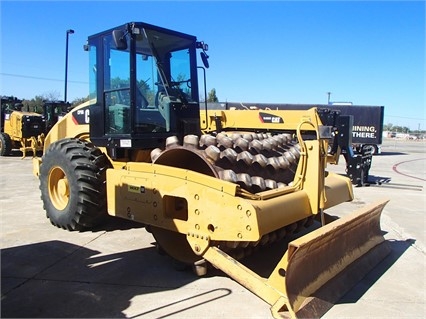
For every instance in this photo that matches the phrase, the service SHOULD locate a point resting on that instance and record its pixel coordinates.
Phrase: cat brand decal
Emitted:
(81, 116)
(270, 118)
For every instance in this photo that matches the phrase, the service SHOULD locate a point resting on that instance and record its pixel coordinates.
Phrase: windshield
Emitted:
(163, 75)
(163, 64)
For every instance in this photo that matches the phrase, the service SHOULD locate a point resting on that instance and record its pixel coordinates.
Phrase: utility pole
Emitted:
(328, 100)
(70, 31)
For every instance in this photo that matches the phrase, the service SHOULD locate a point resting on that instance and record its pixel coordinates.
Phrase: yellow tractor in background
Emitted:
(213, 187)
(19, 129)
(24, 130)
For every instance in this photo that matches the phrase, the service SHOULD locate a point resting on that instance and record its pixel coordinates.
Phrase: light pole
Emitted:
(70, 31)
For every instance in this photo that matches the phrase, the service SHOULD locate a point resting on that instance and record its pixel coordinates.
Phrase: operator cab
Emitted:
(144, 86)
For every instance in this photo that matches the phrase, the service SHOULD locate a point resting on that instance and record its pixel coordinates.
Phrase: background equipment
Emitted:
(20, 130)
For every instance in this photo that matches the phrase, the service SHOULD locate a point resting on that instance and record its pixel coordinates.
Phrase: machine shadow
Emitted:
(378, 180)
(18, 153)
(386, 182)
(398, 248)
(111, 223)
(386, 153)
(57, 279)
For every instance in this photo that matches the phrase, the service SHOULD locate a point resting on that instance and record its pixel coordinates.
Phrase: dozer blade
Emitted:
(324, 264)
(318, 268)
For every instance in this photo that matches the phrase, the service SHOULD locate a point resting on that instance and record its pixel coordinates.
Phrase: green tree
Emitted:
(146, 91)
(388, 127)
(52, 96)
(79, 101)
(212, 96)
(34, 105)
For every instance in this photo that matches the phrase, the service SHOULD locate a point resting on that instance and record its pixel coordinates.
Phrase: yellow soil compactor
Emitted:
(211, 186)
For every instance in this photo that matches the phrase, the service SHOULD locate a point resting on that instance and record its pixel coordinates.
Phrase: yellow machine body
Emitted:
(211, 186)
(196, 215)
(67, 126)
(184, 201)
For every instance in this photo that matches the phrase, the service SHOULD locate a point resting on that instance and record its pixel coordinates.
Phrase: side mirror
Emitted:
(204, 58)
(119, 39)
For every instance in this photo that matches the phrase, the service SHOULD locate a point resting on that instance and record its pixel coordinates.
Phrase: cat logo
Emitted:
(270, 118)
(136, 189)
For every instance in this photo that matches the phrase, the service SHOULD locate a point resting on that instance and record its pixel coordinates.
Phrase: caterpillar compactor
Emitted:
(212, 187)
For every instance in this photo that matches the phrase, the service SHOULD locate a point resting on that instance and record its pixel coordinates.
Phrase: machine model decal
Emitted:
(136, 189)
(81, 116)
(270, 118)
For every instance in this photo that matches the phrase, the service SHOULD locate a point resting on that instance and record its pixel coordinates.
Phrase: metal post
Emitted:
(328, 100)
(70, 31)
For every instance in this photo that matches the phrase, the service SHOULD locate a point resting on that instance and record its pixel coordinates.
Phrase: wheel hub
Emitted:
(63, 189)
(58, 188)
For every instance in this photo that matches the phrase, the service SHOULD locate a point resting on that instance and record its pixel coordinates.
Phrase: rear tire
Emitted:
(5, 144)
(73, 184)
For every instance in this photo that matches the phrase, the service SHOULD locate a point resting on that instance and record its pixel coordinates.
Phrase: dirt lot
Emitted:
(115, 270)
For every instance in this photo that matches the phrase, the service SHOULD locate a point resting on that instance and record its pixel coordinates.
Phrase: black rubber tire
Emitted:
(81, 169)
(5, 144)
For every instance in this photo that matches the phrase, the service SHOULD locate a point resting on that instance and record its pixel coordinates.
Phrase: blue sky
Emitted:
(365, 52)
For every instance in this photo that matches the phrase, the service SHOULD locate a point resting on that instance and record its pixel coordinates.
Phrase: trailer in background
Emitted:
(367, 130)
